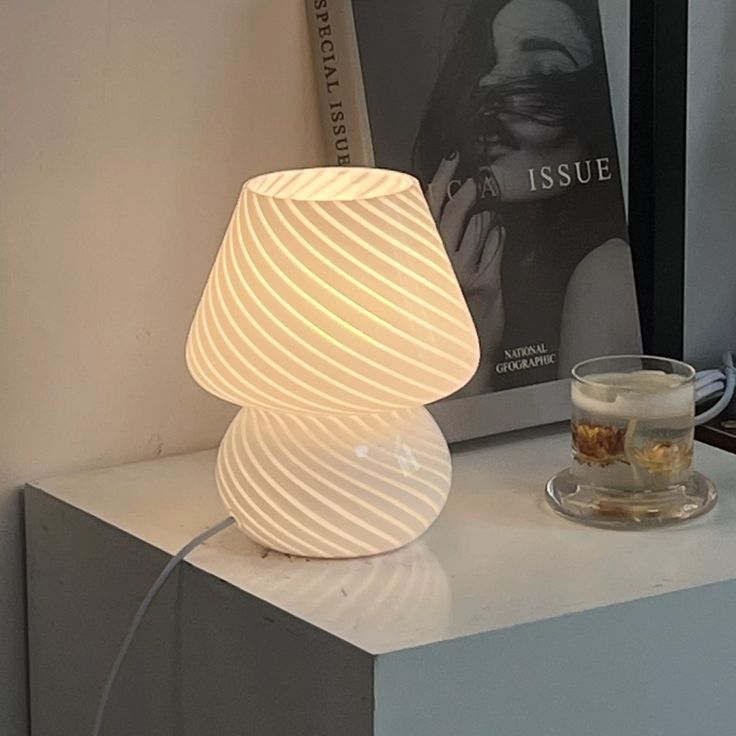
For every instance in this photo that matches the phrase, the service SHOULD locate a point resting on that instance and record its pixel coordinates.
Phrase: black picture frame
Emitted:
(658, 55)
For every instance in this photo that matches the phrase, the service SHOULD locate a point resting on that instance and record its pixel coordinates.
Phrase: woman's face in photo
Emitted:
(531, 39)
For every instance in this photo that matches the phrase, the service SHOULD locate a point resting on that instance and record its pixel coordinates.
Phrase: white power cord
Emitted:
(143, 608)
(711, 383)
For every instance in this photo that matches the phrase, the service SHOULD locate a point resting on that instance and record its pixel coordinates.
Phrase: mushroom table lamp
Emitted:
(332, 316)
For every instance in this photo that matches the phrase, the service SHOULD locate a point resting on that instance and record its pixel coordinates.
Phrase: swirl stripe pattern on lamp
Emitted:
(332, 316)
(318, 505)
(372, 354)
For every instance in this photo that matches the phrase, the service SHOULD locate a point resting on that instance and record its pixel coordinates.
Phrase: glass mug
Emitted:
(633, 420)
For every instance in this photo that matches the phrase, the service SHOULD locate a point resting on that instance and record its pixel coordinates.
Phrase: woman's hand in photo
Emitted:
(475, 246)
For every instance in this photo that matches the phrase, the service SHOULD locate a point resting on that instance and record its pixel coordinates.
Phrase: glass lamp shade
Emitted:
(332, 293)
(332, 315)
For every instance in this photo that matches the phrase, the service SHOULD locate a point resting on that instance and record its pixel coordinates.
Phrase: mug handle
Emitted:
(730, 375)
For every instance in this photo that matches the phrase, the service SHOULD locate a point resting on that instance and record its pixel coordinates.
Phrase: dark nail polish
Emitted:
(452, 156)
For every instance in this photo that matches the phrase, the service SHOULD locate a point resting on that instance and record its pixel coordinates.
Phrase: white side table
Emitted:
(503, 620)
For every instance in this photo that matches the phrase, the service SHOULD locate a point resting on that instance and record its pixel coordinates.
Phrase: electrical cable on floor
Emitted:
(143, 608)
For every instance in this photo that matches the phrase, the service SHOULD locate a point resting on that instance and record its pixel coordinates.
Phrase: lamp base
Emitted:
(334, 486)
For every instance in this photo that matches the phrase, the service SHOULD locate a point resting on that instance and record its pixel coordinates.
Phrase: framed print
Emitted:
(502, 110)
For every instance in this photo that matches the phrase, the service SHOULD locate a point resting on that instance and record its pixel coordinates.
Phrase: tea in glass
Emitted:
(632, 445)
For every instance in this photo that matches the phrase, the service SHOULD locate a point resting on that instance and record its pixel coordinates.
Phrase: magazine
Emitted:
(501, 109)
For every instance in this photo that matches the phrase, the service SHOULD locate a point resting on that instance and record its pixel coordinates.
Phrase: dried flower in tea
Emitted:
(664, 458)
(596, 444)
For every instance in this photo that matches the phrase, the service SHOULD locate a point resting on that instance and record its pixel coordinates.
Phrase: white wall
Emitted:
(127, 127)
(710, 263)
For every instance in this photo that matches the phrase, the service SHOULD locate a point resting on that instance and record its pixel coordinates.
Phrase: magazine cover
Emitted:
(501, 109)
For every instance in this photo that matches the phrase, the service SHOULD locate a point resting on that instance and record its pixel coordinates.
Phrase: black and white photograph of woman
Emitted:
(516, 152)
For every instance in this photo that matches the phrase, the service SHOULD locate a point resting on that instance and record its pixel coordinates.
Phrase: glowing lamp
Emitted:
(332, 316)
